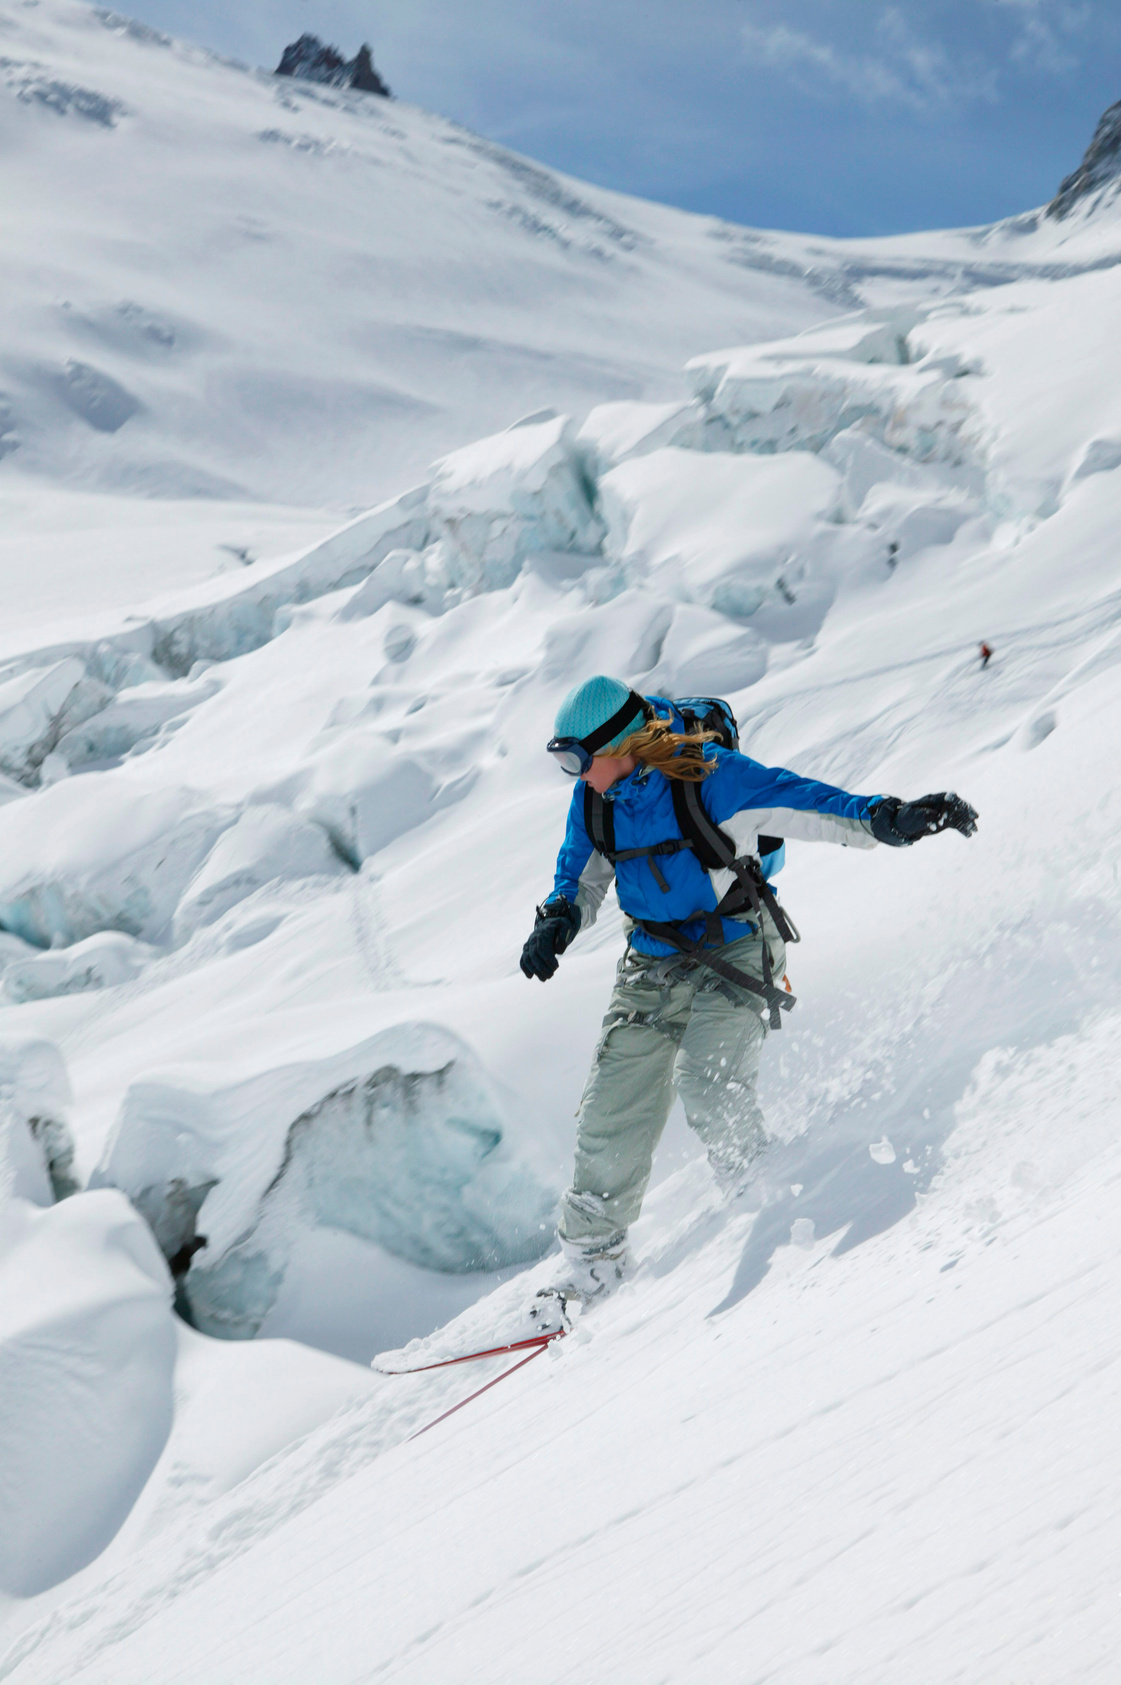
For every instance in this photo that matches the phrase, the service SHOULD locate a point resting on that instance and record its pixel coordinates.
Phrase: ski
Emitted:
(534, 1344)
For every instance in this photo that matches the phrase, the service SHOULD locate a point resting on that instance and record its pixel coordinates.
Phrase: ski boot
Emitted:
(588, 1272)
(735, 1169)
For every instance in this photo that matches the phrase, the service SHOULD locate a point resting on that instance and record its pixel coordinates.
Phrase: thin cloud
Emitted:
(1046, 40)
(905, 63)
(903, 69)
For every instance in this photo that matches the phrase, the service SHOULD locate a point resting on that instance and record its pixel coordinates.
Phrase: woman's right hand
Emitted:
(899, 824)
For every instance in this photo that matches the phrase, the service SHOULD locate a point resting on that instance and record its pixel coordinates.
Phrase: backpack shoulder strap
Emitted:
(712, 846)
(599, 822)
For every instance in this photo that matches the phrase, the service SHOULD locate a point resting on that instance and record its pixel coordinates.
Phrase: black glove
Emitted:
(557, 923)
(899, 824)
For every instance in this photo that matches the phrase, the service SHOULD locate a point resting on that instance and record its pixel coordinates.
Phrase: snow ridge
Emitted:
(1098, 172)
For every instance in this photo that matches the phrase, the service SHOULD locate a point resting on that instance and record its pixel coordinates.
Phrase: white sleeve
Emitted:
(745, 827)
(595, 880)
(806, 825)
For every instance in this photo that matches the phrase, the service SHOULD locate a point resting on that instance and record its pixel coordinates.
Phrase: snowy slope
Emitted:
(220, 283)
(876, 1467)
(957, 1013)
(223, 283)
(237, 307)
(269, 844)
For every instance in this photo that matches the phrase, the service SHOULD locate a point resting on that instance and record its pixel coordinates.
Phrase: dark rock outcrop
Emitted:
(1099, 169)
(363, 75)
(312, 60)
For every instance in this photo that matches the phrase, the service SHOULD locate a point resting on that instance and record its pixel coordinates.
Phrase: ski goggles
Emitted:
(575, 755)
(570, 755)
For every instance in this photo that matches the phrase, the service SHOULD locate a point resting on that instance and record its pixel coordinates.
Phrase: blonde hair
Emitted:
(669, 752)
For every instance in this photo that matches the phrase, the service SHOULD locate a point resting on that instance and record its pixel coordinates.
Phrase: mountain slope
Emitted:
(893, 1462)
(222, 283)
(269, 845)
(226, 283)
(846, 1399)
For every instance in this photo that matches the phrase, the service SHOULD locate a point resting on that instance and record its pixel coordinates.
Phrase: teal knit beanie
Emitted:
(591, 705)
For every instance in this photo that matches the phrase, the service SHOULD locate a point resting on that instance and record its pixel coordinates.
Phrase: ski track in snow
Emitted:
(273, 822)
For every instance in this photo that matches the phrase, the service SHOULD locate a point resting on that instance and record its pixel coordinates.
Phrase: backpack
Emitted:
(713, 847)
(708, 713)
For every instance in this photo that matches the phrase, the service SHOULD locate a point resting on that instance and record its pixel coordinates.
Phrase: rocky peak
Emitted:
(1100, 168)
(312, 60)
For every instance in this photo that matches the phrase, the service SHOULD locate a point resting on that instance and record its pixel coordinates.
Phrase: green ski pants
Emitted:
(670, 1025)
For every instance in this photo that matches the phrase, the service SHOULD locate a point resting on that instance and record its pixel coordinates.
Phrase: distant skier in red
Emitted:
(986, 656)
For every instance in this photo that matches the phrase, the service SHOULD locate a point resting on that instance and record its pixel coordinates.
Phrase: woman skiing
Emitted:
(690, 830)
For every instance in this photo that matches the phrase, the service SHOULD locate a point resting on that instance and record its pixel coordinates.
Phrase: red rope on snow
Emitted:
(539, 1344)
(538, 1340)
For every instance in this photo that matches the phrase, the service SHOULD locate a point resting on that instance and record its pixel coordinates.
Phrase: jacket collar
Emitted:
(631, 784)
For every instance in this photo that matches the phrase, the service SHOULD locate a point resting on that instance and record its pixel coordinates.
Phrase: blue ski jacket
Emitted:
(741, 796)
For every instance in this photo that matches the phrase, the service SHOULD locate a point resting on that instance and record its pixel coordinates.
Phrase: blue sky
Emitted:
(828, 116)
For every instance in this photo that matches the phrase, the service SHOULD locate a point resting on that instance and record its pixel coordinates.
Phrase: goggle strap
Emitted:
(612, 727)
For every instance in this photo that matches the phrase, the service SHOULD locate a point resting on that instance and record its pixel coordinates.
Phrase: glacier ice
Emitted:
(503, 499)
(435, 578)
(265, 844)
(87, 855)
(98, 962)
(35, 1099)
(871, 337)
(399, 1139)
(703, 652)
(909, 522)
(800, 393)
(864, 463)
(702, 528)
(220, 620)
(492, 506)
(920, 412)
(404, 576)
(37, 707)
(364, 791)
(1101, 456)
(12, 949)
(612, 433)
(134, 718)
(364, 796)
(23, 1173)
(87, 1350)
(10, 790)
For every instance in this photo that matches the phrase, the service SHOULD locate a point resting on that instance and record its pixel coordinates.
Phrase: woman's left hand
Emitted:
(557, 923)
